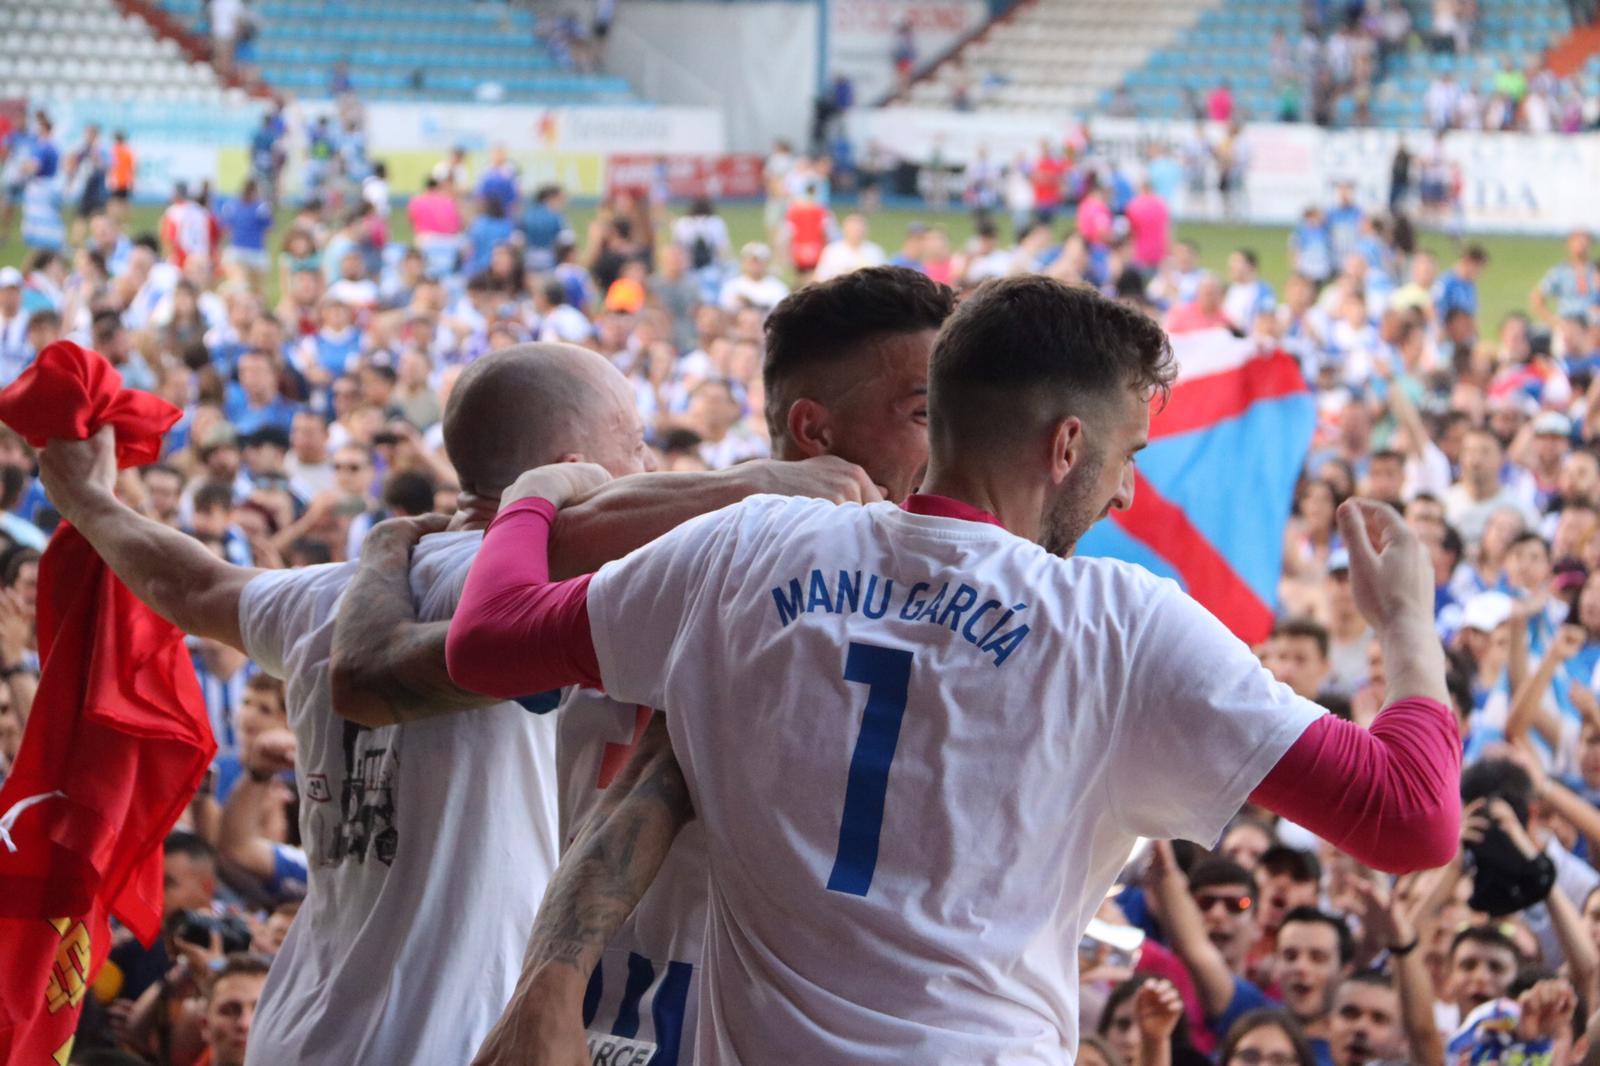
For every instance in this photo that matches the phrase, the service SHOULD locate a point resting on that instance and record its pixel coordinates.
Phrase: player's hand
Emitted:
(1391, 574)
(824, 477)
(394, 538)
(560, 483)
(536, 1030)
(1546, 1009)
(1157, 1006)
(74, 471)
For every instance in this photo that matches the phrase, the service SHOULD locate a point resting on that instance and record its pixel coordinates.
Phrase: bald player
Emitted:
(430, 834)
(846, 374)
(921, 740)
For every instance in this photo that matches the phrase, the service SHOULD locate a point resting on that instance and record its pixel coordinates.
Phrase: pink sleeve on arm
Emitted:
(515, 632)
(1390, 796)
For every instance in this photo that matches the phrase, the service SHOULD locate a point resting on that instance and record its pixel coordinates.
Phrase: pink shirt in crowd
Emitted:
(1150, 225)
(434, 212)
(1219, 104)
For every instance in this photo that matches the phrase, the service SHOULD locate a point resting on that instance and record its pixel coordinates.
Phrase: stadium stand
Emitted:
(1051, 55)
(89, 50)
(1515, 30)
(416, 49)
(1234, 40)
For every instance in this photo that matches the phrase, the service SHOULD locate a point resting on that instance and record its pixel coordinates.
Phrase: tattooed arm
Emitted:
(601, 878)
(387, 667)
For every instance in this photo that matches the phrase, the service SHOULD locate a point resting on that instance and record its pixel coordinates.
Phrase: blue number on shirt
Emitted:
(886, 672)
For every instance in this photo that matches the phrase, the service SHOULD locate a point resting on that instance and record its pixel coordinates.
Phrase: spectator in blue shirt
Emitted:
(254, 402)
(247, 220)
(1311, 247)
(499, 181)
(1344, 221)
(542, 226)
(490, 228)
(1458, 289)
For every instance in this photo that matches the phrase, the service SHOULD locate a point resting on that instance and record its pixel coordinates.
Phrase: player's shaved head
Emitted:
(534, 404)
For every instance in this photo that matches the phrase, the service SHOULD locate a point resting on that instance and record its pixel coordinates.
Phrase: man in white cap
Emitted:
(755, 286)
(14, 350)
(1552, 439)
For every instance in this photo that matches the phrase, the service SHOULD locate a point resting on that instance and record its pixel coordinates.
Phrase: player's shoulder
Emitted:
(1128, 586)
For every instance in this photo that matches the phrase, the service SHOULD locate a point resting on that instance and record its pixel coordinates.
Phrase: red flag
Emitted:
(116, 743)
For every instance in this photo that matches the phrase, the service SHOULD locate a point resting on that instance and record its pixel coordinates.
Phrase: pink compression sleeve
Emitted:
(515, 632)
(1389, 796)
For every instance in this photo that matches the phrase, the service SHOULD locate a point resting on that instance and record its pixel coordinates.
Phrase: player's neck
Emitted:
(1017, 507)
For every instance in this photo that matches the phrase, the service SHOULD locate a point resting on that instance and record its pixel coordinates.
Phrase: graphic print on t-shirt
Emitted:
(366, 820)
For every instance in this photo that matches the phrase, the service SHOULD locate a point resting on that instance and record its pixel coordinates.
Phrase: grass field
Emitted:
(1515, 263)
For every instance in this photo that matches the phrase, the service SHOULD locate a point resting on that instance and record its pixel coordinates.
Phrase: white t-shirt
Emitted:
(429, 844)
(645, 986)
(762, 294)
(921, 750)
(841, 258)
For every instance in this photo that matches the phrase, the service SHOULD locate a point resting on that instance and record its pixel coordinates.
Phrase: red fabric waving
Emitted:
(117, 741)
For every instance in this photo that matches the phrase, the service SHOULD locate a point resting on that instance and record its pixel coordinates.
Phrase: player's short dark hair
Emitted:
(1299, 865)
(1313, 916)
(1499, 779)
(1488, 936)
(1527, 536)
(1476, 253)
(44, 318)
(1371, 978)
(1261, 1018)
(241, 964)
(180, 842)
(1304, 627)
(1024, 351)
(408, 491)
(1214, 871)
(826, 323)
(210, 496)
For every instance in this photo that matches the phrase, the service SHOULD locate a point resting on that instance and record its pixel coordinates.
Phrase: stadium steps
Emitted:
(1055, 55)
(1519, 30)
(101, 51)
(434, 50)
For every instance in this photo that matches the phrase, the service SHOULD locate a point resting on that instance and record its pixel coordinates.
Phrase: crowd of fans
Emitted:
(309, 418)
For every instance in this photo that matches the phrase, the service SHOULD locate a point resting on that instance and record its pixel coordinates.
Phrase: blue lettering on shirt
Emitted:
(982, 621)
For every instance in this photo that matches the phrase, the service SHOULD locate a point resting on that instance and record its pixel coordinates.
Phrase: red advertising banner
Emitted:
(683, 177)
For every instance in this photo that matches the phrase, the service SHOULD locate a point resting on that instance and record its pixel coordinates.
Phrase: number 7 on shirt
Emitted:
(887, 673)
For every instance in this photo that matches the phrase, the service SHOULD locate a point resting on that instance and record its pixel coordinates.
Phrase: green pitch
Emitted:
(1515, 263)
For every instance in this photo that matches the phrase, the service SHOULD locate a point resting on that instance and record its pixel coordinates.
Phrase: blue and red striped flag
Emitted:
(1213, 491)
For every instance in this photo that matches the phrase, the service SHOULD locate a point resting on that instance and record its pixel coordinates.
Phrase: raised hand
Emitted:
(1157, 1008)
(1391, 575)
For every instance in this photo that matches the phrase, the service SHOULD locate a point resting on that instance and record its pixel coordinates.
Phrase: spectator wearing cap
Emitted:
(14, 352)
(1541, 451)
(755, 285)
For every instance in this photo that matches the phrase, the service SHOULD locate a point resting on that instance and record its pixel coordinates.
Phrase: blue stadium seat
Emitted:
(458, 46)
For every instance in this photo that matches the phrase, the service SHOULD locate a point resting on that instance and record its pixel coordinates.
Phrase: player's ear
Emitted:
(810, 428)
(1066, 448)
